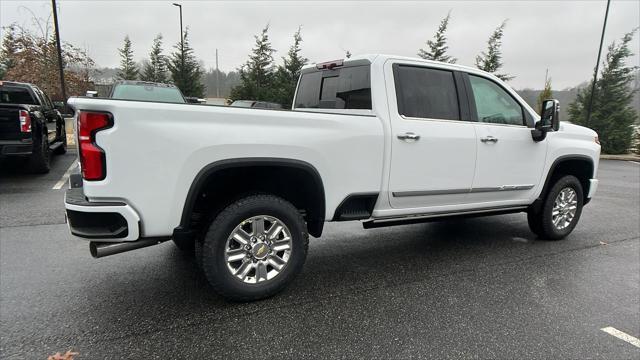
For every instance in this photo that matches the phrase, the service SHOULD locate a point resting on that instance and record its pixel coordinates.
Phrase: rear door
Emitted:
(433, 145)
(509, 163)
(49, 114)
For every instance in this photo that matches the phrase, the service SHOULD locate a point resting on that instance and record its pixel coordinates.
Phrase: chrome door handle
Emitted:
(489, 139)
(409, 136)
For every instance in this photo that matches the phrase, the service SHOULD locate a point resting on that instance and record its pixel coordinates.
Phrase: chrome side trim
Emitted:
(462, 191)
(447, 213)
(430, 192)
(503, 188)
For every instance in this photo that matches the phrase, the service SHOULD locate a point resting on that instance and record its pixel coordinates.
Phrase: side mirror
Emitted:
(91, 93)
(550, 114)
(549, 119)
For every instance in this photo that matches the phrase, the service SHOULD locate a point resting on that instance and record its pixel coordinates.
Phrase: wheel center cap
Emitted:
(260, 251)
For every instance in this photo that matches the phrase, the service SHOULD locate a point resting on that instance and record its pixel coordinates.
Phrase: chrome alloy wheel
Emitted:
(564, 208)
(258, 249)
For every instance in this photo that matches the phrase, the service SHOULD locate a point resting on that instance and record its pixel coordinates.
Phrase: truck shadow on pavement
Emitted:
(346, 261)
(18, 167)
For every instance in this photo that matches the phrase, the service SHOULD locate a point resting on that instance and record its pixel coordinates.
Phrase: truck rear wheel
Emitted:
(40, 159)
(254, 248)
(560, 210)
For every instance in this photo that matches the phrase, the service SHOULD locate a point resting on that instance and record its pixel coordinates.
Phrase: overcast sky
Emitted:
(562, 36)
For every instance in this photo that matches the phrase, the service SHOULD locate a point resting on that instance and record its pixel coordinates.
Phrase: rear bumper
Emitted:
(15, 147)
(100, 221)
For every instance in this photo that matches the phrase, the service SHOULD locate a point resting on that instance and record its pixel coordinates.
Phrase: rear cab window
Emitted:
(16, 95)
(344, 86)
(142, 92)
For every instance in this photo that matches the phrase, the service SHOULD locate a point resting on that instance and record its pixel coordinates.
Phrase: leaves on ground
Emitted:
(66, 356)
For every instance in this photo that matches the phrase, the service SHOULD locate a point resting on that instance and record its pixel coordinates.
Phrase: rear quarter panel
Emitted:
(155, 150)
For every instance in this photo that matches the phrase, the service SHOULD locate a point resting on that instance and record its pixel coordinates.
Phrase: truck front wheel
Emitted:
(560, 210)
(254, 248)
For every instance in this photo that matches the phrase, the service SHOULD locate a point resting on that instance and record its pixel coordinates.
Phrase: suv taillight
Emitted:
(25, 121)
(92, 158)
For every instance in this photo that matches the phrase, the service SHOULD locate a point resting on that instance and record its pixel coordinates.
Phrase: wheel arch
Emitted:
(309, 195)
(580, 166)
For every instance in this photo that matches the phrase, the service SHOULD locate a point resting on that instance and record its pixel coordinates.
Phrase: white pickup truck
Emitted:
(382, 139)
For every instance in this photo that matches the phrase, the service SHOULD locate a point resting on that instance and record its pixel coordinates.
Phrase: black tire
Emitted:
(213, 260)
(40, 160)
(541, 222)
(197, 253)
(186, 245)
(62, 149)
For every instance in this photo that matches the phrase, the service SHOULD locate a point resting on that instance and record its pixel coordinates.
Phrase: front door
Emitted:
(509, 163)
(433, 150)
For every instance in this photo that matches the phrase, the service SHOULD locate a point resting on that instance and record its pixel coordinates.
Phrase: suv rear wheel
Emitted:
(560, 210)
(254, 248)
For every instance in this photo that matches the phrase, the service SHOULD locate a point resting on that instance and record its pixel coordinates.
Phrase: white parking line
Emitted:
(635, 162)
(622, 336)
(65, 177)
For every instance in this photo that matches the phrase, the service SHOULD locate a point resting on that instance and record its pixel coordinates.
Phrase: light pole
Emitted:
(181, 42)
(595, 73)
(59, 49)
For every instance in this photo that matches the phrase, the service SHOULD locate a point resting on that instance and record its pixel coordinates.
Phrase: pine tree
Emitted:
(491, 60)
(545, 94)
(128, 69)
(156, 69)
(289, 72)
(8, 51)
(185, 70)
(257, 75)
(612, 114)
(437, 48)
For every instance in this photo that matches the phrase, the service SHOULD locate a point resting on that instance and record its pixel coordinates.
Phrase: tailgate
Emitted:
(9, 123)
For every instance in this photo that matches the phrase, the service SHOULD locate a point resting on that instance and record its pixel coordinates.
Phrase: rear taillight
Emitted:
(25, 121)
(92, 158)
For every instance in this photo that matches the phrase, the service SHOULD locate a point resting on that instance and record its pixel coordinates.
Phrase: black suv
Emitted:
(30, 125)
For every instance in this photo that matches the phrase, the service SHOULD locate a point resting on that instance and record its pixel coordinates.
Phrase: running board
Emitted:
(417, 219)
(55, 145)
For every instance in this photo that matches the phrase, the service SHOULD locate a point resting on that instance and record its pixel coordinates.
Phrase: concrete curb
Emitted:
(627, 157)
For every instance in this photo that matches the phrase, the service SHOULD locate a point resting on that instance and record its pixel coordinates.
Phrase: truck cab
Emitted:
(458, 139)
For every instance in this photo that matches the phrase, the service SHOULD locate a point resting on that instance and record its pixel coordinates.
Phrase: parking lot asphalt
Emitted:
(474, 288)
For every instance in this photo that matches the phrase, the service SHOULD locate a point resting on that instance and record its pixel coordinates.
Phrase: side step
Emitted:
(417, 219)
(55, 145)
(102, 249)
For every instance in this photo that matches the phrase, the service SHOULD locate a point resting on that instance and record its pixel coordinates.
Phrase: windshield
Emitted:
(148, 93)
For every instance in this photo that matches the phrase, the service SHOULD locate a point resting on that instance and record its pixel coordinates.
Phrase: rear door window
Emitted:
(341, 88)
(426, 93)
